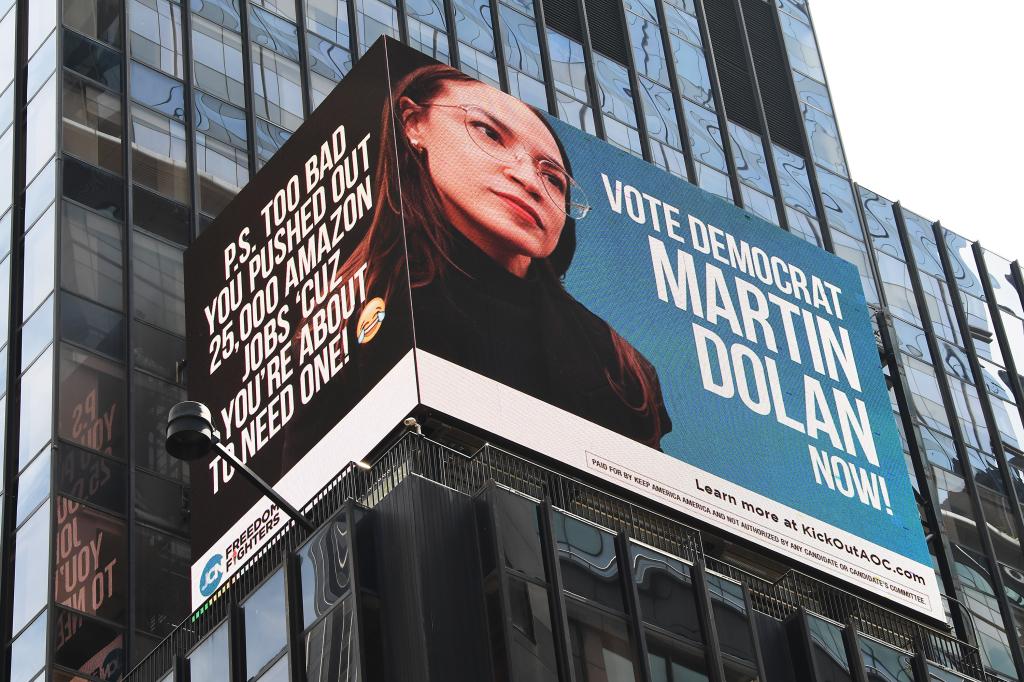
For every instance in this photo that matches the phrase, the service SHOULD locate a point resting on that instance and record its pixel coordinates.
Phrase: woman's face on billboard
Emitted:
(496, 168)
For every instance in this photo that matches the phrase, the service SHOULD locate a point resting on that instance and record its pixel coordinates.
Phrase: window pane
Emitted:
(328, 18)
(532, 653)
(665, 587)
(99, 19)
(94, 188)
(92, 397)
(265, 631)
(155, 34)
(92, 326)
(159, 283)
(28, 652)
(277, 88)
(588, 561)
(151, 399)
(161, 503)
(271, 31)
(324, 569)
(217, 61)
(91, 256)
(210, 660)
(330, 647)
(33, 485)
(157, 351)
(31, 568)
(161, 581)
(91, 562)
(39, 256)
(601, 647)
(158, 91)
(97, 480)
(36, 417)
(828, 651)
(92, 123)
(37, 333)
(158, 154)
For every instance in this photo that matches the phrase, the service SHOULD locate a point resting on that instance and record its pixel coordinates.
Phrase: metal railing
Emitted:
(416, 455)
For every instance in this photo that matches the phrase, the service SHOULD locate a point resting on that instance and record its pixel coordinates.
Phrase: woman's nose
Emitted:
(523, 171)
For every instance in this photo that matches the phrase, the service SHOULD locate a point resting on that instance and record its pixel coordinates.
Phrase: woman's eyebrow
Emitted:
(498, 123)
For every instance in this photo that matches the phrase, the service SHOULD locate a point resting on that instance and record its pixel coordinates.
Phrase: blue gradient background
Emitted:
(612, 275)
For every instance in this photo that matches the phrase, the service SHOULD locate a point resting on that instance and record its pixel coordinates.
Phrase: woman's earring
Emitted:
(415, 144)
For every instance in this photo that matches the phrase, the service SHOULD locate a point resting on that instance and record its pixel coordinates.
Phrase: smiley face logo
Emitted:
(370, 320)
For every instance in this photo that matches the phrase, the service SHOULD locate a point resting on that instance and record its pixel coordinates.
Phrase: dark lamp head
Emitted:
(190, 432)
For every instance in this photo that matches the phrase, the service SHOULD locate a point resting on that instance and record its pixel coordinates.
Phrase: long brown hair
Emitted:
(408, 207)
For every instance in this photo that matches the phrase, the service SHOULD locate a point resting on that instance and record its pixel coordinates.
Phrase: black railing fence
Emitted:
(416, 455)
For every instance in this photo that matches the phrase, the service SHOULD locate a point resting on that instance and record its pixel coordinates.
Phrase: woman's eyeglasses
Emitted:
(560, 187)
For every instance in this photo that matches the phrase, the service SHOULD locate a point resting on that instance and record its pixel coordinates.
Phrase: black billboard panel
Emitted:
(298, 342)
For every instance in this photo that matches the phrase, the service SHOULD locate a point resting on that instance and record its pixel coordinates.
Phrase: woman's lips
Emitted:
(521, 207)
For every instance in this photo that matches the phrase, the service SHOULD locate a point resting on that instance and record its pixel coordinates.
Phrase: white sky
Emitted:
(930, 100)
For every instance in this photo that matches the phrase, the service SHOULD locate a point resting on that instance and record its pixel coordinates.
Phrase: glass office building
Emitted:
(127, 125)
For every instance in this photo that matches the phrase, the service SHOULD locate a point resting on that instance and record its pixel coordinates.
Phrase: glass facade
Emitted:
(126, 126)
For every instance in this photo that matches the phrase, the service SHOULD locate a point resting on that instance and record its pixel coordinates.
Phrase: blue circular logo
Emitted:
(211, 576)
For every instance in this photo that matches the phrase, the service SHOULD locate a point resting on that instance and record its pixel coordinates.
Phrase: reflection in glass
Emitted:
(588, 560)
(748, 153)
(40, 115)
(271, 31)
(883, 663)
(324, 569)
(210, 660)
(601, 646)
(965, 270)
(648, 49)
(91, 404)
(28, 652)
(158, 285)
(824, 137)
(277, 88)
(33, 485)
(532, 650)
(1004, 287)
(92, 123)
(99, 19)
(151, 399)
(705, 136)
(159, 154)
(265, 631)
(155, 34)
(91, 255)
(665, 589)
(91, 326)
(36, 412)
(41, 192)
(329, 19)
(39, 256)
(217, 61)
(158, 91)
(161, 580)
(37, 333)
(31, 568)
(156, 351)
(828, 650)
(331, 651)
(517, 518)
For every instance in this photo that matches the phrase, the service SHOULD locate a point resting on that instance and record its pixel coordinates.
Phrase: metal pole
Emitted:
(263, 486)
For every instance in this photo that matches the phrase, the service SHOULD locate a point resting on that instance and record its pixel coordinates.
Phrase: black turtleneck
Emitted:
(529, 334)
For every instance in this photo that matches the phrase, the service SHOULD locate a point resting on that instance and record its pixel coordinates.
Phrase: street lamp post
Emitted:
(191, 435)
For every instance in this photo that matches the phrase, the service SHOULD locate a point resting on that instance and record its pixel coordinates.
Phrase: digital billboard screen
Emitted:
(524, 277)
(576, 300)
(288, 343)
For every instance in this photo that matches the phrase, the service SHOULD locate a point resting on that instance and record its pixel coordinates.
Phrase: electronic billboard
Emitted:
(562, 294)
